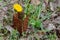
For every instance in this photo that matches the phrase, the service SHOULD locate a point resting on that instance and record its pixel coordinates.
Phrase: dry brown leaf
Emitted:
(35, 2)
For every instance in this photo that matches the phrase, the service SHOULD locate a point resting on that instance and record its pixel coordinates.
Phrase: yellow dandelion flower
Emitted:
(18, 7)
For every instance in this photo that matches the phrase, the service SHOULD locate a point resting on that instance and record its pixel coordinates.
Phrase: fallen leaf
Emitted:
(35, 2)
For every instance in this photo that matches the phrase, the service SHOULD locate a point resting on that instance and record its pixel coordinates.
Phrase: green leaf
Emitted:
(32, 22)
(0, 0)
(37, 23)
(1, 38)
(1, 25)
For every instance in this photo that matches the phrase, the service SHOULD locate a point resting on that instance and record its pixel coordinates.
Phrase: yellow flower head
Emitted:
(18, 7)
